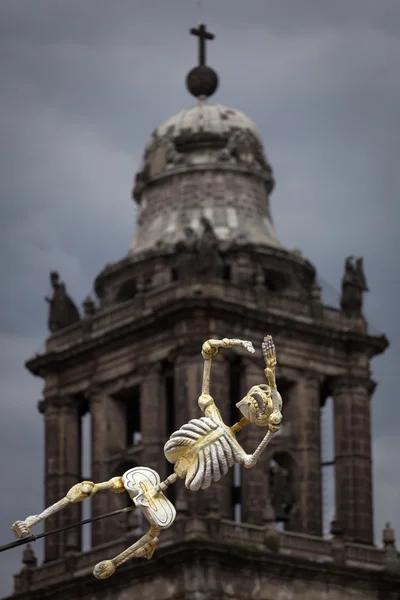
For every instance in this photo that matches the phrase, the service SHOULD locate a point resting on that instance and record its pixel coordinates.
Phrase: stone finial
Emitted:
(316, 291)
(271, 534)
(388, 536)
(62, 309)
(213, 508)
(71, 542)
(71, 550)
(354, 284)
(338, 542)
(202, 81)
(392, 559)
(29, 559)
(89, 307)
(336, 528)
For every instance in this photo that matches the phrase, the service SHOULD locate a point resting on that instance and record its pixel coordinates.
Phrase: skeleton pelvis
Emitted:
(202, 450)
(140, 483)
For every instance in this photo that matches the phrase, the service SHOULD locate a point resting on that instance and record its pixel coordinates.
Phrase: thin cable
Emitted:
(33, 538)
(199, 7)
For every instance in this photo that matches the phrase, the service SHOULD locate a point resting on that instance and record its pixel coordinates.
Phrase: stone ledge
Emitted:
(222, 534)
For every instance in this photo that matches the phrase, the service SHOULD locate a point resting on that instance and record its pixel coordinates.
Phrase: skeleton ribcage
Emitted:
(205, 451)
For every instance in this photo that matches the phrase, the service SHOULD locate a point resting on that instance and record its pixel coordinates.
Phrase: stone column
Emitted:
(153, 419)
(108, 437)
(306, 440)
(353, 464)
(254, 481)
(218, 498)
(188, 375)
(62, 468)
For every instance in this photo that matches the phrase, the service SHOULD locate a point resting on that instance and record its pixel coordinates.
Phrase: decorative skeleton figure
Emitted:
(202, 452)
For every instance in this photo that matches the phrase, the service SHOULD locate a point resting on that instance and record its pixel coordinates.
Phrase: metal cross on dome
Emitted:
(203, 35)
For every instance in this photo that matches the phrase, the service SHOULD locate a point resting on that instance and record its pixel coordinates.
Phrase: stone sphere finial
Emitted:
(388, 536)
(28, 557)
(202, 81)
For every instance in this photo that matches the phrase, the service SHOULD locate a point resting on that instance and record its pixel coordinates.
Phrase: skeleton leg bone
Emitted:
(143, 547)
(79, 492)
(144, 486)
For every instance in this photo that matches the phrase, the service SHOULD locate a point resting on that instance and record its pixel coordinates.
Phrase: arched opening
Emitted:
(170, 420)
(274, 281)
(86, 466)
(133, 418)
(127, 291)
(327, 464)
(226, 272)
(126, 521)
(282, 487)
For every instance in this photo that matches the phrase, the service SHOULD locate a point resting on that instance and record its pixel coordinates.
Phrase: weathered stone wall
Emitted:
(236, 203)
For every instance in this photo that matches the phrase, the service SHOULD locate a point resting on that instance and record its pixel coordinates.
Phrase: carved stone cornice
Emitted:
(95, 393)
(151, 369)
(118, 385)
(186, 351)
(348, 383)
(184, 308)
(59, 401)
(311, 379)
(254, 365)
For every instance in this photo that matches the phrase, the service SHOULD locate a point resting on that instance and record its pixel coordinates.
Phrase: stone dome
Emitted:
(206, 162)
(203, 118)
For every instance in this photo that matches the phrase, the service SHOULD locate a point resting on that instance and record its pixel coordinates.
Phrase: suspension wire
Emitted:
(33, 538)
(199, 11)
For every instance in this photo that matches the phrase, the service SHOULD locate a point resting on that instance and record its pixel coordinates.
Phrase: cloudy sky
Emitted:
(82, 85)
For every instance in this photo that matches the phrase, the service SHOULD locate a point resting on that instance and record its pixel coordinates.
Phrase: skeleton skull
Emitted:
(261, 407)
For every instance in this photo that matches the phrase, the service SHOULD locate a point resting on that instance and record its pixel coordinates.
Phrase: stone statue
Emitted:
(198, 256)
(186, 259)
(354, 284)
(63, 311)
(201, 451)
(209, 259)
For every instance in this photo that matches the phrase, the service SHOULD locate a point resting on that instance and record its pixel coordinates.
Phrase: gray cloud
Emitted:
(82, 86)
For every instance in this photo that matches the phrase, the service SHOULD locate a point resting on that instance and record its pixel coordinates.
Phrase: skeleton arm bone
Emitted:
(250, 460)
(268, 349)
(208, 350)
(79, 492)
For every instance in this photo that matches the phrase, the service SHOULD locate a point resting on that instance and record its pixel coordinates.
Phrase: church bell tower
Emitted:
(206, 262)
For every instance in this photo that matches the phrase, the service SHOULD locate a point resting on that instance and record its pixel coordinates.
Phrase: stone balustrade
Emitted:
(127, 312)
(252, 537)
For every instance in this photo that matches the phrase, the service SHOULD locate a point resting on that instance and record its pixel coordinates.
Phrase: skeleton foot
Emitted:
(144, 547)
(104, 569)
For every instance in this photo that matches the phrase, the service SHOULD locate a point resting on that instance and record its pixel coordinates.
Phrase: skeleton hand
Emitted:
(268, 350)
